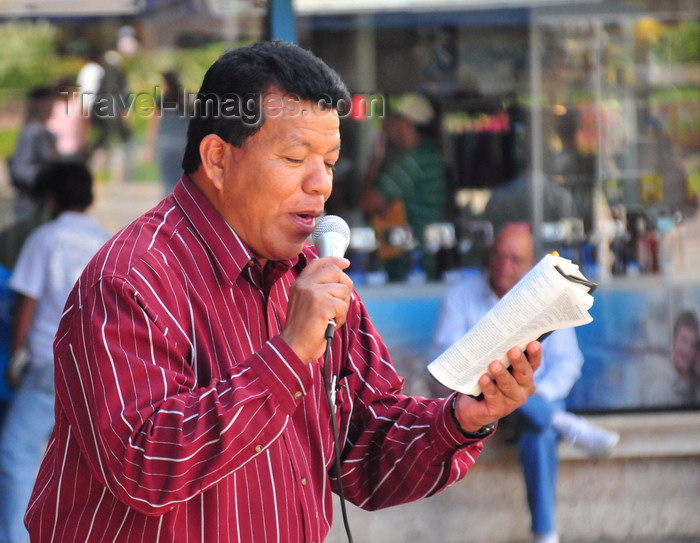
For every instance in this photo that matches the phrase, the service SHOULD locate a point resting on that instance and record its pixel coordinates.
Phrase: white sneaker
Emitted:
(596, 441)
(546, 538)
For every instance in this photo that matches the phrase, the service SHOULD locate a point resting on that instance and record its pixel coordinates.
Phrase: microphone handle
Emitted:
(330, 330)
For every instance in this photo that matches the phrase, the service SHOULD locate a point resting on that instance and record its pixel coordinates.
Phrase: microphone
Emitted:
(331, 238)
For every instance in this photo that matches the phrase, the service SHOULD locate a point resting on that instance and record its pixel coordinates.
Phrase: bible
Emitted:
(553, 294)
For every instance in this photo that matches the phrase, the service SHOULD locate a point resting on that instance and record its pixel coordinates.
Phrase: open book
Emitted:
(553, 294)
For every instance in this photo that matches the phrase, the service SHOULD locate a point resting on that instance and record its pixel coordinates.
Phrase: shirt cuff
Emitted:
(448, 433)
(283, 373)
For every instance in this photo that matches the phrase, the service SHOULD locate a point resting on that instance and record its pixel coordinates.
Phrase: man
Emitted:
(49, 263)
(685, 357)
(411, 187)
(35, 147)
(190, 396)
(542, 420)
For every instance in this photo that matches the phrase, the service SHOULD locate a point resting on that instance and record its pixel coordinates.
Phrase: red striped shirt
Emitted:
(182, 416)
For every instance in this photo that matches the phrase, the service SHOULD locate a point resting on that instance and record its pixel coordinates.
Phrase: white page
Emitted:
(542, 301)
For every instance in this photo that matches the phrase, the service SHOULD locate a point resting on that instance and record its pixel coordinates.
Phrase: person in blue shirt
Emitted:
(543, 420)
(49, 264)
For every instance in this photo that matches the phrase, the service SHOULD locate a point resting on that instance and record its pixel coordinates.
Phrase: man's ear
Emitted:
(212, 151)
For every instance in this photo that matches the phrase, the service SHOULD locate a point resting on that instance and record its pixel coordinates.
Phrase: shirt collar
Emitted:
(76, 217)
(229, 252)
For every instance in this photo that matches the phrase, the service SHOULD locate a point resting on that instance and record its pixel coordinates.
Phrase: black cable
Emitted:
(334, 426)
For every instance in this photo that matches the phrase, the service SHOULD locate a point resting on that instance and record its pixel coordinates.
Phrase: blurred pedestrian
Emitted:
(167, 134)
(109, 107)
(543, 420)
(68, 124)
(6, 304)
(89, 79)
(127, 42)
(35, 147)
(50, 262)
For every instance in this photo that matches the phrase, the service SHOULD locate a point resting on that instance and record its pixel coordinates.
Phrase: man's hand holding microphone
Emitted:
(319, 301)
(320, 297)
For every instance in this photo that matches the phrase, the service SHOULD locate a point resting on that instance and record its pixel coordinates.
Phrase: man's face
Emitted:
(685, 344)
(276, 184)
(511, 257)
(396, 129)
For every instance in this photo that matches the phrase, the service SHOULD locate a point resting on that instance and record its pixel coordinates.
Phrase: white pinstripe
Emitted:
(176, 412)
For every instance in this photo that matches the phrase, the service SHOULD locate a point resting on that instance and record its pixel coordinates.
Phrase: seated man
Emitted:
(542, 421)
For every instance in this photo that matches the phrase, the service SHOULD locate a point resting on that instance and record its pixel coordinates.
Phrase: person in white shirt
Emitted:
(89, 79)
(50, 262)
(543, 420)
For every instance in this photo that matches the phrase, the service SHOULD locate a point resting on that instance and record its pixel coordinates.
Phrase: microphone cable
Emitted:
(330, 396)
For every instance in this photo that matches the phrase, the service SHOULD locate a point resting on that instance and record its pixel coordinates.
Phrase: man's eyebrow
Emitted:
(294, 141)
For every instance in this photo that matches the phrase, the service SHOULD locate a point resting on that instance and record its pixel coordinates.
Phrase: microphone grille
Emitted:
(331, 223)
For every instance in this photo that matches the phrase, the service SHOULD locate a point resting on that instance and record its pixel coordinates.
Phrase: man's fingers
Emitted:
(524, 364)
(511, 382)
(534, 354)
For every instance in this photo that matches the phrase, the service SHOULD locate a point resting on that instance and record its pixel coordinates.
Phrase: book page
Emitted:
(542, 301)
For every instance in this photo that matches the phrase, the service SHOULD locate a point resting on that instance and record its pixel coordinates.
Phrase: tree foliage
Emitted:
(27, 57)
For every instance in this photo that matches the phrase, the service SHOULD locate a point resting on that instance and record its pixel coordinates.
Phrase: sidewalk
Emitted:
(117, 204)
(647, 492)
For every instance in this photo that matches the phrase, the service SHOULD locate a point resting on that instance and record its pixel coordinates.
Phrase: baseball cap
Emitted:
(414, 107)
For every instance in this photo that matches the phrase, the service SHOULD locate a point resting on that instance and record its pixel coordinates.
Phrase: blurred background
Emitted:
(580, 118)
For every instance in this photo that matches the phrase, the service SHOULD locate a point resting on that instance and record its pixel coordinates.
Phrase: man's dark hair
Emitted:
(229, 101)
(40, 93)
(68, 183)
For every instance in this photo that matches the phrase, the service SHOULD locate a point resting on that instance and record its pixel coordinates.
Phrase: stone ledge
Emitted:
(646, 493)
(642, 435)
(647, 435)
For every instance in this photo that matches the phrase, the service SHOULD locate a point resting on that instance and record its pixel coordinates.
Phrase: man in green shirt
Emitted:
(411, 188)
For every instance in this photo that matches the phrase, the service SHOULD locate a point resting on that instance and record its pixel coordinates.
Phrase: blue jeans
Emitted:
(28, 424)
(537, 444)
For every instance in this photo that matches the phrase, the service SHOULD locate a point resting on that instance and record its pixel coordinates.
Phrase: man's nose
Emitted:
(319, 179)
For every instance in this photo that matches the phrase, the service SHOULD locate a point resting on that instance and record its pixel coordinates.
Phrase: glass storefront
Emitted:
(617, 101)
(596, 107)
(581, 119)
(619, 126)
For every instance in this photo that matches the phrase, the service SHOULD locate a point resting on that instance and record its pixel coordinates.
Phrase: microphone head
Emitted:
(331, 236)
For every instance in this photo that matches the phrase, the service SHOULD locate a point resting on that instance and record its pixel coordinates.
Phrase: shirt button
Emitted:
(303, 481)
(297, 394)
(258, 448)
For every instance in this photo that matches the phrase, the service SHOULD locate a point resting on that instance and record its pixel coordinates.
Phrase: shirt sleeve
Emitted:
(397, 448)
(391, 183)
(562, 361)
(150, 432)
(462, 306)
(29, 274)
(452, 321)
